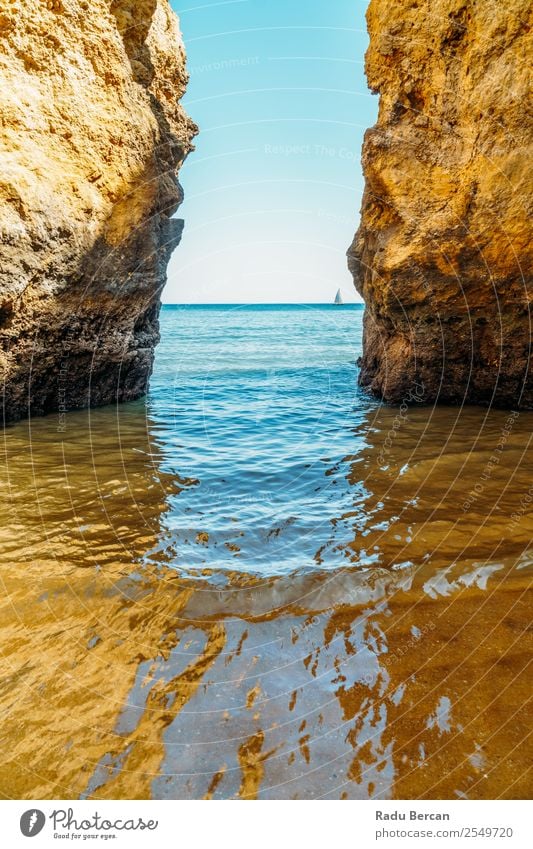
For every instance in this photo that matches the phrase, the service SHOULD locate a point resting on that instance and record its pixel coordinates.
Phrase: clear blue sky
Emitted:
(273, 190)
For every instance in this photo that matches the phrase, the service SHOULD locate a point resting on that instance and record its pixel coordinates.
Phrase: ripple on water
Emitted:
(264, 583)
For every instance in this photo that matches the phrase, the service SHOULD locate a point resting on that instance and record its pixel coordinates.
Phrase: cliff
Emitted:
(92, 137)
(443, 254)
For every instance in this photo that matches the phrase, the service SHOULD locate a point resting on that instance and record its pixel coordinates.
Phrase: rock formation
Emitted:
(444, 249)
(92, 137)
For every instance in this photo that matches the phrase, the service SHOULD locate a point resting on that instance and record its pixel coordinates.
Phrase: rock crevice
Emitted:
(443, 254)
(93, 136)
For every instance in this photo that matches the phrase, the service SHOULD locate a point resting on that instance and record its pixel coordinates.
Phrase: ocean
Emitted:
(259, 406)
(260, 582)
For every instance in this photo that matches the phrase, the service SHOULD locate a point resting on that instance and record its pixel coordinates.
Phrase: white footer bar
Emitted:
(273, 824)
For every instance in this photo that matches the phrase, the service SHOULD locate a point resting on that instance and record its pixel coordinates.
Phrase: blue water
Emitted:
(255, 407)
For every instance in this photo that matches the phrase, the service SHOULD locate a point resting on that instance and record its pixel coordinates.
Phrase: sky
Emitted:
(273, 189)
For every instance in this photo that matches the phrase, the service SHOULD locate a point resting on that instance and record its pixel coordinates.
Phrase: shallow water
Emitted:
(264, 584)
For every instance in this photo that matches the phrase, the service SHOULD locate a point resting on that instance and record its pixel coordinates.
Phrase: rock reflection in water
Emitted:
(400, 673)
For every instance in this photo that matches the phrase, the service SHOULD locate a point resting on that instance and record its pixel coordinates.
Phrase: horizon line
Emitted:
(259, 303)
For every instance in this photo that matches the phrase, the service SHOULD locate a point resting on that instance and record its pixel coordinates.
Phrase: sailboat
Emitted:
(338, 298)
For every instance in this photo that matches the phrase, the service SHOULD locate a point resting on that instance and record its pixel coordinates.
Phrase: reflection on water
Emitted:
(143, 658)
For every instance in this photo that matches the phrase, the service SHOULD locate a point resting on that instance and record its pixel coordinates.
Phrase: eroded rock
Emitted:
(443, 255)
(92, 138)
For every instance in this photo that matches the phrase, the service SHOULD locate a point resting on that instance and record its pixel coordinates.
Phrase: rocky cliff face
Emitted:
(444, 249)
(92, 137)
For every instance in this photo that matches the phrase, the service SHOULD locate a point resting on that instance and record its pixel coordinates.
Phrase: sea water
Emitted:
(259, 582)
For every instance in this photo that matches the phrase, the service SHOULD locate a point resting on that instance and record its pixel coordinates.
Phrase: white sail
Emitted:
(338, 298)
